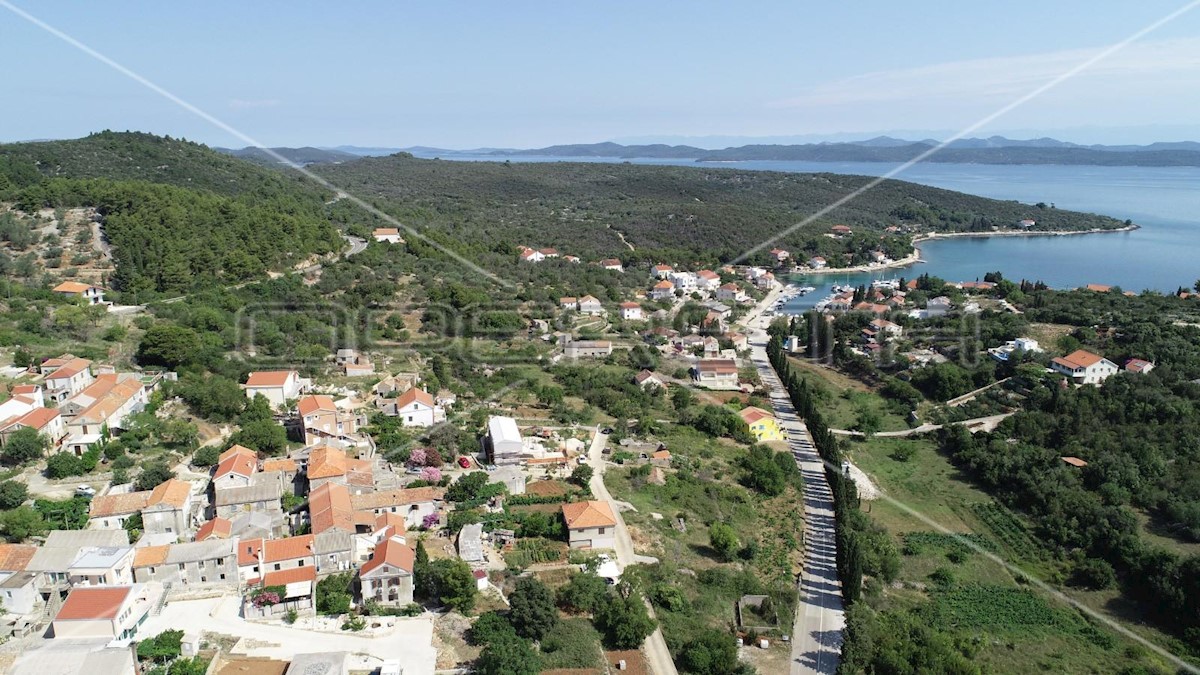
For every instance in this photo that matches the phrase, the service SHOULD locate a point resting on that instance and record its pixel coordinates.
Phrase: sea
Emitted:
(1163, 254)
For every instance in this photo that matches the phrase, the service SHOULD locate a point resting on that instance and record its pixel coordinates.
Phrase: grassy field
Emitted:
(691, 586)
(1012, 626)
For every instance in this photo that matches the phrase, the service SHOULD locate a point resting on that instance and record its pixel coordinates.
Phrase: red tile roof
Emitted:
(217, 528)
(329, 508)
(588, 514)
(118, 505)
(90, 603)
(150, 555)
(16, 557)
(275, 550)
(416, 395)
(173, 492)
(238, 463)
(290, 576)
(1079, 358)
(315, 403)
(390, 552)
(269, 378)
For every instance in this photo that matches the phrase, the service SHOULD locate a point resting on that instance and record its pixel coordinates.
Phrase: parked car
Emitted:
(464, 462)
(85, 491)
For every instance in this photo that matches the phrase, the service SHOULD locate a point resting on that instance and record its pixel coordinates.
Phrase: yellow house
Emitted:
(763, 425)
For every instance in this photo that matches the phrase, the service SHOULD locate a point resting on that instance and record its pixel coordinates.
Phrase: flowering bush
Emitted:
(429, 520)
(265, 598)
(417, 458)
(431, 474)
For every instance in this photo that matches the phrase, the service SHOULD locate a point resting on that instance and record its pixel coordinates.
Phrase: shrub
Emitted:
(62, 465)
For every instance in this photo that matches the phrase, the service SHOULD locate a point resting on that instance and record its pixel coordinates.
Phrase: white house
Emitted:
(108, 612)
(416, 408)
(646, 379)
(717, 373)
(663, 290)
(46, 421)
(575, 349)
(613, 264)
(817, 262)
(387, 578)
(388, 235)
(780, 255)
(590, 305)
(503, 442)
(684, 281)
(661, 271)
(590, 524)
(91, 295)
(1140, 366)
(730, 292)
(278, 386)
(70, 377)
(531, 255)
(631, 311)
(1084, 367)
(168, 509)
(708, 280)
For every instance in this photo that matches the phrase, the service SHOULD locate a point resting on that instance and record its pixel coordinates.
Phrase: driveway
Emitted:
(410, 641)
(656, 650)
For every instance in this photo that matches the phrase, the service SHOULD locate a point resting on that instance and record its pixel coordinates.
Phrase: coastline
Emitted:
(914, 258)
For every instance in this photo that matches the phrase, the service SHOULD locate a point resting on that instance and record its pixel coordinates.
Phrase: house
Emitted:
(549, 252)
(572, 259)
(1074, 461)
(46, 421)
(765, 281)
(841, 230)
(169, 508)
(1098, 288)
(885, 326)
(663, 290)
(262, 495)
(417, 408)
(67, 379)
(1140, 366)
(259, 557)
(717, 373)
(91, 295)
(817, 262)
(387, 578)
(1018, 346)
(194, 563)
(631, 311)
(101, 565)
(18, 586)
(1027, 223)
(730, 292)
(108, 612)
(109, 512)
(414, 504)
(780, 255)
(1084, 367)
(590, 525)
(938, 306)
(646, 379)
(872, 308)
(327, 464)
(707, 280)
(235, 468)
(53, 559)
(661, 271)
(388, 235)
(590, 305)
(278, 386)
(353, 363)
(503, 443)
(568, 303)
(684, 281)
(661, 458)
(107, 414)
(322, 420)
(763, 425)
(217, 528)
(612, 264)
(532, 256)
(575, 349)
(711, 346)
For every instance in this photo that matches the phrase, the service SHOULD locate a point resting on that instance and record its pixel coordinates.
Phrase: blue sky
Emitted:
(523, 74)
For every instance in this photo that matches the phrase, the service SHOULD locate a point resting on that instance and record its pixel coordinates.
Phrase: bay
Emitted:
(1162, 255)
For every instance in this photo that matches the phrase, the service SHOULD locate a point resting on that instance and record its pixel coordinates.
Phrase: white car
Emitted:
(85, 491)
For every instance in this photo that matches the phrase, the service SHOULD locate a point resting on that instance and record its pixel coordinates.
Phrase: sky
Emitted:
(528, 74)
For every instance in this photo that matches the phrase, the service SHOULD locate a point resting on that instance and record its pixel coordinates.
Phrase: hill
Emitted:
(302, 156)
(676, 213)
(179, 215)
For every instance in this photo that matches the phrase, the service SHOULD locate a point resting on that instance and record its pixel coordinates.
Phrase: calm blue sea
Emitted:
(1164, 254)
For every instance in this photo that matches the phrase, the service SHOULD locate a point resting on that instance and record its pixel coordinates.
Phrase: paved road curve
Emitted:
(656, 647)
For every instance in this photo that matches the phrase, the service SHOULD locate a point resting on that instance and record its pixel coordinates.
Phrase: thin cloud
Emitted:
(1006, 77)
(248, 104)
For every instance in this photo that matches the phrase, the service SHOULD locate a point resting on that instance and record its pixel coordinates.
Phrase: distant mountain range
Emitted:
(993, 150)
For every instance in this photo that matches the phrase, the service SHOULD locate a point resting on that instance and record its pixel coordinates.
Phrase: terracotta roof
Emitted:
(1074, 461)
(290, 576)
(238, 463)
(173, 492)
(235, 450)
(37, 418)
(269, 378)
(280, 464)
(401, 497)
(729, 286)
(382, 231)
(118, 505)
(664, 285)
(327, 461)
(708, 274)
(1099, 288)
(150, 555)
(661, 454)
(392, 520)
(89, 603)
(329, 508)
(275, 550)
(217, 528)
(104, 407)
(610, 262)
(717, 366)
(630, 305)
(645, 375)
(73, 287)
(414, 395)
(1137, 365)
(16, 557)
(752, 414)
(70, 368)
(1079, 358)
(390, 552)
(588, 514)
(315, 403)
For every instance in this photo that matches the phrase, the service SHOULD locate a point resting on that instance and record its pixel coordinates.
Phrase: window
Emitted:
(276, 567)
(301, 563)
(180, 567)
(222, 577)
(151, 570)
(601, 531)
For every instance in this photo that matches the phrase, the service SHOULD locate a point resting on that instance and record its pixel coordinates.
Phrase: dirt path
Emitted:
(621, 235)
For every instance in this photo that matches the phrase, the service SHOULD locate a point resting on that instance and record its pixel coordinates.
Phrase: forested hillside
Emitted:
(179, 216)
(674, 213)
